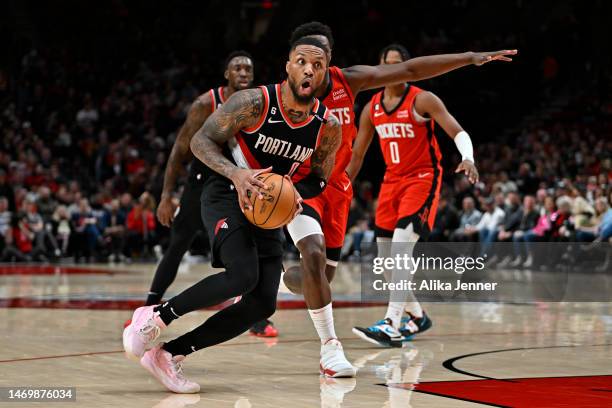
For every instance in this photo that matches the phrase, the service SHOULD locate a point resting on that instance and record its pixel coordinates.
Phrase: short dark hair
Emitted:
(394, 47)
(309, 41)
(234, 54)
(312, 28)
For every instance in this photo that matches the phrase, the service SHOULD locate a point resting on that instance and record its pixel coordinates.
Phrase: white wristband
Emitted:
(464, 145)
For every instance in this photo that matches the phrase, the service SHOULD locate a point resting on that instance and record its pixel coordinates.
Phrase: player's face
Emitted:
(392, 57)
(239, 73)
(306, 71)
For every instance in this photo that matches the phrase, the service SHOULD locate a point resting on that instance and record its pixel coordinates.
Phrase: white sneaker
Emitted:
(333, 362)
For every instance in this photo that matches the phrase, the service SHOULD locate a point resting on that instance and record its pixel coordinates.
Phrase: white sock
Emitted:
(414, 308)
(402, 243)
(395, 310)
(323, 320)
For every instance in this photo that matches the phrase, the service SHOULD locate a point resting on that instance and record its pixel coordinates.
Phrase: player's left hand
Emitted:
(481, 58)
(298, 199)
(469, 169)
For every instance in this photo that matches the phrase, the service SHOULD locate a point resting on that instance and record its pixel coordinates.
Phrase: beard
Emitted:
(302, 99)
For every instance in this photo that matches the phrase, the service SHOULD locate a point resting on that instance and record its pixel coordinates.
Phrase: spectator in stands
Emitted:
(470, 217)
(19, 241)
(489, 224)
(6, 190)
(140, 223)
(447, 221)
(45, 203)
(114, 230)
(512, 220)
(560, 218)
(5, 215)
(588, 231)
(43, 239)
(85, 232)
(526, 181)
(529, 220)
(61, 227)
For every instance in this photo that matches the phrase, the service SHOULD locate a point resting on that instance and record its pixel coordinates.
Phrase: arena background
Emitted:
(139, 64)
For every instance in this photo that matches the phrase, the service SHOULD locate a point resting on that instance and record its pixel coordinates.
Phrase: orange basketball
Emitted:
(277, 206)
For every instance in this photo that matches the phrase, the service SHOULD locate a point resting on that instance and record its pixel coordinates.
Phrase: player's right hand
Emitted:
(165, 211)
(246, 184)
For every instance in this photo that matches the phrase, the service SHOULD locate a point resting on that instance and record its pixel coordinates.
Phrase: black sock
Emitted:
(166, 313)
(153, 299)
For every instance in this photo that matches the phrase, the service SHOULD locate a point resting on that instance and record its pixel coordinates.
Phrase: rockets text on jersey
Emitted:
(408, 145)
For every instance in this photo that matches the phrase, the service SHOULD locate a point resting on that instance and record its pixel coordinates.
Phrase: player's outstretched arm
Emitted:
(242, 110)
(362, 77)
(322, 161)
(428, 104)
(362, 142)
(200, 109)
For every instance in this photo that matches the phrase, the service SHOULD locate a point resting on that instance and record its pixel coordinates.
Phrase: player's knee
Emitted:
(313, 257)
(242, 277)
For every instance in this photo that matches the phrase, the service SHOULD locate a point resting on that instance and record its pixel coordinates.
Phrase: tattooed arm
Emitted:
(242, 110)
(199, 111)
(322, 161)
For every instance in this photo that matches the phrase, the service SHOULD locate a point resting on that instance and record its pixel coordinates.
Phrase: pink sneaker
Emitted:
(142, 332)
(168, 370)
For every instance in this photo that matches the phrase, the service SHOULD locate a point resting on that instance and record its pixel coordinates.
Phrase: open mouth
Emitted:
(306, 85)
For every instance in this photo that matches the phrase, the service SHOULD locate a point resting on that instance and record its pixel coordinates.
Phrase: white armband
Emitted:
(464, 145)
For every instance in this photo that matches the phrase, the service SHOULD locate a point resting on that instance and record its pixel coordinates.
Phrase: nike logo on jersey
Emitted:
(347, 186)
(272, 145)
(274, 121)
(421, 175)
(377, 114)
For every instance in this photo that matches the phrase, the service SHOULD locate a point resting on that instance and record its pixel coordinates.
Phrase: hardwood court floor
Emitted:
(476, 354)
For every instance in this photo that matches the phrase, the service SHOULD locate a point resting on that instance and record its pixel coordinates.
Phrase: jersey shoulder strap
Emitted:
(217, 98)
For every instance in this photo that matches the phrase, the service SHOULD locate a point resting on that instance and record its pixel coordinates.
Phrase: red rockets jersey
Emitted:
(408, 145)
(339, 99)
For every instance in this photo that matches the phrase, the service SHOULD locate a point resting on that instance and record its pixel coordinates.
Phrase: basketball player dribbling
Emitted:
(185, 221)
(277, 126)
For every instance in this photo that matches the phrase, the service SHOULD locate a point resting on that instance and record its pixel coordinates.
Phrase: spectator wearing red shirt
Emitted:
(140, 226)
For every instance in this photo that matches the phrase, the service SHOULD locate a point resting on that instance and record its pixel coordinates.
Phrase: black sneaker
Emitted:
(382, 333)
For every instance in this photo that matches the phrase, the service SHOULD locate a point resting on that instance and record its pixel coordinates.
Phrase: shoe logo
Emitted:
(274, 121)
(221, 224)
(421, 175)
(377, 114)
(347, 186)
(390, 331)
